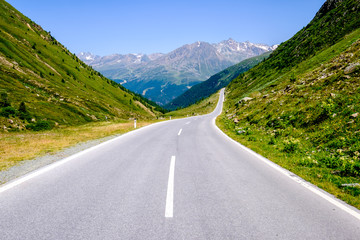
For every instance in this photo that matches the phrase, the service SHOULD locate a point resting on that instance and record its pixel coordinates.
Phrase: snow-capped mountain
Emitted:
(238, 51)
(162, 77)
(87, 57)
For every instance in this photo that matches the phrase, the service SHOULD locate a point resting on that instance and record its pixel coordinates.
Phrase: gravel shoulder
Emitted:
(27, 166)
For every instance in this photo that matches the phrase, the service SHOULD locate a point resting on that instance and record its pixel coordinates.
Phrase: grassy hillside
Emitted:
(214, 83)
(302, 106)
(42, 84)
(203, 106)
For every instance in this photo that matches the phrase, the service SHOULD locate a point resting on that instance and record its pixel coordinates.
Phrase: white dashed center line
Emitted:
(170, 190)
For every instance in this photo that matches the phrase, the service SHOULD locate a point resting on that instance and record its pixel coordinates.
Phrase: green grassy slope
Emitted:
(203, 106)
(52, 82)
(214, 83)
(303, 111)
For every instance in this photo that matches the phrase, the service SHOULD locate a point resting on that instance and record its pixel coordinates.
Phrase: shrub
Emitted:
(350, 168)
(292, 78)
(8, 111)
(22, 107)
(290, 146)
(272, 141)
(4, 100)
(23, 112)
(275, 124)
(330, 161)
(40, 125)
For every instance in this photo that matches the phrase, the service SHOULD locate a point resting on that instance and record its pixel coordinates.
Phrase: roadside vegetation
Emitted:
(301, 109)
(50, 100)
(43, 85)
(18, 146)
(201, 107)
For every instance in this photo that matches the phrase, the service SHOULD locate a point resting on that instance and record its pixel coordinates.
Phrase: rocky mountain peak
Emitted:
(162, 77)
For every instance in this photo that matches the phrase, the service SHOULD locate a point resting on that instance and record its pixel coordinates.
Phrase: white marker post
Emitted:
(170, 117)
(134, 122)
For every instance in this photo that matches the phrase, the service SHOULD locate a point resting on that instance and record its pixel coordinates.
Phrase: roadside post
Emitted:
(134, 122)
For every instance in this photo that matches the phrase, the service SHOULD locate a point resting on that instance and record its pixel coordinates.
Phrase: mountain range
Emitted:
(162, 77)
(42, 84)
(214, 83)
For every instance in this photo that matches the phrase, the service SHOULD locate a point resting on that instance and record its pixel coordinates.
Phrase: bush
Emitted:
(7, 111)
(272, 141)
(4, 100)
(290, 146)
(40, 125)
(275, 124)
(23, 113)
(22, 107)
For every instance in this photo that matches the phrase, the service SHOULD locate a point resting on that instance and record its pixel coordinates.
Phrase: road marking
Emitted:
(170, 190)
(327, 196)
(188, 123)
(179, 132)
(42, 170)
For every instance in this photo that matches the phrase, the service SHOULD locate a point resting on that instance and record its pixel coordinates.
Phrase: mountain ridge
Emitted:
(214, 83)
(43, 83)
(165, 76)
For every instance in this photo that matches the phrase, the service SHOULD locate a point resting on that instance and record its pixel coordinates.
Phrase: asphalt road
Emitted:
(180, 179)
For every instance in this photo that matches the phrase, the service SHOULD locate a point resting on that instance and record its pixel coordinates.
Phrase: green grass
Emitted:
(53, 83)
(305, 119)
(204, 106)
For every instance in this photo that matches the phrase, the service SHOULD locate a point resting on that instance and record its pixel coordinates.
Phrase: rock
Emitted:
(236, 120)
(245, 99)
(241, 131)
(33, 120)
(355, 115)
(10, 121)
(332, 95)
(351, 68)
(350, 185)
(265, 96)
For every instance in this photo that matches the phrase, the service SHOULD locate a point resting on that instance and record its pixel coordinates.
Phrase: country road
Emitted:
(180, 179)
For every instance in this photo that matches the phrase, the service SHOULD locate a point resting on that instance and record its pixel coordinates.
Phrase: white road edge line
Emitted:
(35, 173)
(179, 132)
(327, 196)
(170, 190)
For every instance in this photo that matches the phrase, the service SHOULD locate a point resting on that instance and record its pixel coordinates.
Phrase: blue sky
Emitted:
(140, 26)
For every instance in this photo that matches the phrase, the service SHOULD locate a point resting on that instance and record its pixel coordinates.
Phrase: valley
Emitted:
(232, 139)
(166, 76)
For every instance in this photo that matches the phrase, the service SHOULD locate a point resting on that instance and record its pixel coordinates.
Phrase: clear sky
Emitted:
(148, 26)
